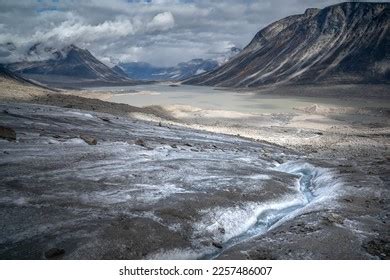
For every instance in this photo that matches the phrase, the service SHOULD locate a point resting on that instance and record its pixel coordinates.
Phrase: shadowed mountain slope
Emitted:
(344, 43)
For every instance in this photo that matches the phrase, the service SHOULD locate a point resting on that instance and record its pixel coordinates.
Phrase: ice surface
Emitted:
(237, 220)
(178, 192)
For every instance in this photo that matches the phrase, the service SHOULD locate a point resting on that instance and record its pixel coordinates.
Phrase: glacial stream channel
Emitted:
(270, 217)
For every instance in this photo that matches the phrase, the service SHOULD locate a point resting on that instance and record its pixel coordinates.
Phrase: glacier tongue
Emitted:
(189, 192)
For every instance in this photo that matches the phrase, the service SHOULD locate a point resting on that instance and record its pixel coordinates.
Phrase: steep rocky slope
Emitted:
(8, 76)
(344, 43)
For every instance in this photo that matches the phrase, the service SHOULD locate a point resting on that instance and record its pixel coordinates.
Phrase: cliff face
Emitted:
(345, 43)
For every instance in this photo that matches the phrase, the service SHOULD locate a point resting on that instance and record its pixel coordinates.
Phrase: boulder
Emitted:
(54, 253)
(89, 139)
(7, 133)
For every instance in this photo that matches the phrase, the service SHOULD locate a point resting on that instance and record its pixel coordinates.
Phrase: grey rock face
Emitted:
(344, 43)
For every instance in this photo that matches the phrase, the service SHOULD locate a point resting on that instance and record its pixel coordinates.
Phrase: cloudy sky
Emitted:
(161, 32)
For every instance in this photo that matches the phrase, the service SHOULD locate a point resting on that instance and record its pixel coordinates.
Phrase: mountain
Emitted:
(182, 71)
(224, 58)
(71, 65)
(6, 74)
(119, 71)
(141, 70)
(344, 43)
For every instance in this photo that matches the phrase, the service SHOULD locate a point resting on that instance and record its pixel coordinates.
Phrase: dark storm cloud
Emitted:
(163, 32)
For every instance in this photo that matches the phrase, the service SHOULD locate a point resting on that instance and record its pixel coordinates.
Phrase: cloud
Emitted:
(77, 31)
(162, 21)
(161, 32)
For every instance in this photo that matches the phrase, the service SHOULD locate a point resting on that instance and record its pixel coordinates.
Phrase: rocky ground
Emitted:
(86, 179)
(356, 140)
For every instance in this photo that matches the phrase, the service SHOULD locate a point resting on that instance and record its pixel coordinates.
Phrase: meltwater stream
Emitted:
(309, 177)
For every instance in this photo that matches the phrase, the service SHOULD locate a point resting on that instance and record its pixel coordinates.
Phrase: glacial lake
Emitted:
(219, 99)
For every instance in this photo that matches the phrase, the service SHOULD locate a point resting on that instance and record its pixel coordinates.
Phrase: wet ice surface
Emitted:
(178, 193)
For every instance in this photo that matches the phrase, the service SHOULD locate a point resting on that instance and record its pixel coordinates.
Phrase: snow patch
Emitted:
(260, 177)
(86, 115)
(200, 71)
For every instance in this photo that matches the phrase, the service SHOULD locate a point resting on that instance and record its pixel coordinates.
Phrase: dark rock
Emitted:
(54, 253)
(379, 248)
(140, 142)
(7, 133)
(302, 228)
(279, 160)
(89, 139)
(217, 245)
(105, 119)
(333, 218)
(174, 146)
(260, 254)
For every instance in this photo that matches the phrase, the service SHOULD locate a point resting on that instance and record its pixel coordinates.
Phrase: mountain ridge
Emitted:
(9, 75)
(343, 43)
(182, 71)
(69, 65)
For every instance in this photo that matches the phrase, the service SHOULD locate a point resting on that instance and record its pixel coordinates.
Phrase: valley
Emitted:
(287, 178)
(276, 151)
